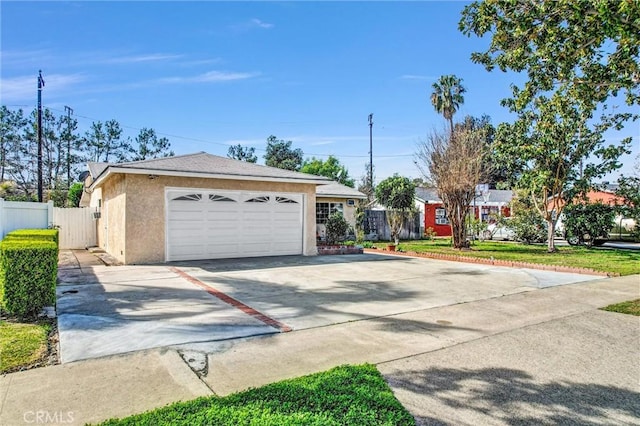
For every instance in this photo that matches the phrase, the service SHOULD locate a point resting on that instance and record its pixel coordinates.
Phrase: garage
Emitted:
(214, 224)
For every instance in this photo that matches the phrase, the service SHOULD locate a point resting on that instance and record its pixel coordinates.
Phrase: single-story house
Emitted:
(332, 198)
(486, 204)
(202, 206)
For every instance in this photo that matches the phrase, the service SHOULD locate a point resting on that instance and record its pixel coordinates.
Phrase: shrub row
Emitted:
(28, 270)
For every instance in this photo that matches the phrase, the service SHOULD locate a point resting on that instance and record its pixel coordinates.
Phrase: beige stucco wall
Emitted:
(138, 234)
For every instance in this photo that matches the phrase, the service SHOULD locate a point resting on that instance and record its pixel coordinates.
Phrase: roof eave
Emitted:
(127, 170)
(360, 197)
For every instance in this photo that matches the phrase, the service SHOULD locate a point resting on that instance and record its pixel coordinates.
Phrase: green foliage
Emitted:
(21, 344)
(396, 194)
(75, 194)
(629, 190)
(150, 146)
(337, 228)
(28, 270)
(241, 153)
(577, 56)
(34, 234)
(346, 395)
(527, 225)
(447, 96)
(585, 223)
(368, 244)
(330, 168)
(281, 155)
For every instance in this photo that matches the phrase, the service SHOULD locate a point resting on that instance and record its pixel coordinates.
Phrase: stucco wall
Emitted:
(143, 227)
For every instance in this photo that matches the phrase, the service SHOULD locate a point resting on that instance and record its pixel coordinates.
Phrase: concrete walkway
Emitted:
(544, 356)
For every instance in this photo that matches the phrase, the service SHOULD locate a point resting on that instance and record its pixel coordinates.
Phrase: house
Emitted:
(335, 197)
(201, 206)
(487, 204)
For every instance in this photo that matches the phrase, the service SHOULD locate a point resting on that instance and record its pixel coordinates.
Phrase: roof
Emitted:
(499, 196)
(202, 164)
(338, 190)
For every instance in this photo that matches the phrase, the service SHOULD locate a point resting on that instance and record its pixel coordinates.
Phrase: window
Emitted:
(441, 217)
(284, 200)
(215, 197)
(351, 202)
(189, 197)
(324, 210)
(261, 199)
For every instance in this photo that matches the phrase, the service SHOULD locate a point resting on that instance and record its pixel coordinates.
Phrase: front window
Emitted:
(324, 210)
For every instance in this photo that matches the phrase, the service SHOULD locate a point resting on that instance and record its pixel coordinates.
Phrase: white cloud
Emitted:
(133, 59)
(260, 24)
(24, 88)
(417, 77)
(210, 77)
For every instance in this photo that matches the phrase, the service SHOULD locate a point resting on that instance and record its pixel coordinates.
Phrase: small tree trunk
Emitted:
(551, 231)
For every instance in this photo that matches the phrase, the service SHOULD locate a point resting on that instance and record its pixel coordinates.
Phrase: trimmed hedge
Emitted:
(34, 234)
(28, 272)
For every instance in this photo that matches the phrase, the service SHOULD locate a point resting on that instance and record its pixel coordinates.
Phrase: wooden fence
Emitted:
(375, 222)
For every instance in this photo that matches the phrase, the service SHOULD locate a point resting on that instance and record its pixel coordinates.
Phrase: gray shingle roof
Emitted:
(205, 163)
(335, 189)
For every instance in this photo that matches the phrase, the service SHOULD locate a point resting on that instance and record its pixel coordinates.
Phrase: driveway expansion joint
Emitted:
(233, 302)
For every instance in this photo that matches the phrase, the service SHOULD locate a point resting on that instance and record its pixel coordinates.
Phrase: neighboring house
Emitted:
(202, 206)
(486, 205)
(332, 198)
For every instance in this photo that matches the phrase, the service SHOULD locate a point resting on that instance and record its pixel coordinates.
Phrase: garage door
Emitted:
(210, 224)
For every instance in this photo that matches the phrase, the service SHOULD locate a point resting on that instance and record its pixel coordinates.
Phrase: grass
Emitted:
(631, 307)
(22, 344)
(346, 395)
(624, 262)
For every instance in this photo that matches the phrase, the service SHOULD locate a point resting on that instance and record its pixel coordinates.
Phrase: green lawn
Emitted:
(346, 395)
(21, 344)
(631, 307)
(624, 262)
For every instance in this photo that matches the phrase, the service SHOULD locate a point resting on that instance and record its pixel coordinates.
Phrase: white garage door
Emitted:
(210, 224)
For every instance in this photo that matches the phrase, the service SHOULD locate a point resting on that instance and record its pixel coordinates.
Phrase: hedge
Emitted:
(28, 272)
(34, 234)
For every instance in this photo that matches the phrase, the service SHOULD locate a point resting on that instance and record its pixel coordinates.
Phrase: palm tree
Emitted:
(447, 96)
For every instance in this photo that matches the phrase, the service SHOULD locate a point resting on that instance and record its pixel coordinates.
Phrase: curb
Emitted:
(496, 262)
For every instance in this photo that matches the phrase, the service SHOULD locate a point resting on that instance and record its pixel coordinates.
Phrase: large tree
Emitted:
(281, 155)
(577, 55)
(241, 153)
(453, 163)
(330, 168)
(150, 146)
(447, 96)
(104, 142)
(396, 194)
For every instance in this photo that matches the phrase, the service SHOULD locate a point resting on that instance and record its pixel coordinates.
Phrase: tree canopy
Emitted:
(578, 55)
(280, 154)
(447, 96)
(330, 168)
(396, 194)
(241, 153)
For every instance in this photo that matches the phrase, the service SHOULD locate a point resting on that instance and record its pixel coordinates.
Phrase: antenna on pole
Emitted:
(371, 150)
(40, 86)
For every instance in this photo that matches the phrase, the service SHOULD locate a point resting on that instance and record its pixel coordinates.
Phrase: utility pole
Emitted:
(40, 86)
(371, 150)
(69, 112)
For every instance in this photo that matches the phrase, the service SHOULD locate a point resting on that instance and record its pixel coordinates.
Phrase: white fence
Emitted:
(21, 215)
(76, 226)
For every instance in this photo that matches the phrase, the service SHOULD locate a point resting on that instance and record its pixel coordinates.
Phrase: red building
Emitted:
(486, 206)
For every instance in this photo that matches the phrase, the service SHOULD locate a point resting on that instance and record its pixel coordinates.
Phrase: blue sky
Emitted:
(211, 74)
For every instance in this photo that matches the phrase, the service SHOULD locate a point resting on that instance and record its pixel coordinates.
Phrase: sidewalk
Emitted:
(557, 331)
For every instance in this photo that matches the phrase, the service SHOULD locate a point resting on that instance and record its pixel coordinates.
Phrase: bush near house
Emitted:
(28, 271)
(337, 228)
(588, 224)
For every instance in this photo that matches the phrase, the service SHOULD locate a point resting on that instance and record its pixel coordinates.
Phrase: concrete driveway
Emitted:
(109, 310)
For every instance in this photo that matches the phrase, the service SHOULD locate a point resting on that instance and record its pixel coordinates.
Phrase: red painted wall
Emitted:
(430, 221)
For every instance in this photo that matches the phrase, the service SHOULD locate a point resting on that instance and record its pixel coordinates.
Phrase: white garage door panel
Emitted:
(209, 224)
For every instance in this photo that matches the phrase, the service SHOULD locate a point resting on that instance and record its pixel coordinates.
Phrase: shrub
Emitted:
(367, 244)
(74, 195)
(528, 227)
(429, 233)
(33, 234)
(28, 270)
(337, 228)
(586, 223)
